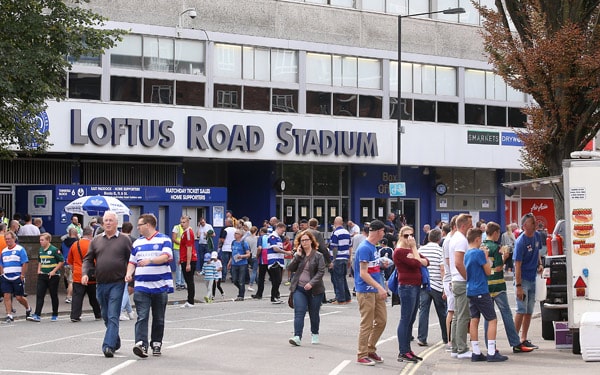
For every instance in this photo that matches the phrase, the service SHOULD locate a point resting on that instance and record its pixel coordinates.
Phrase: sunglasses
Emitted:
(407, 235)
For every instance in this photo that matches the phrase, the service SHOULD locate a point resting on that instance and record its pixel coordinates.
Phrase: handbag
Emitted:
(393, 287)
(92, 270)
(291, 300)
(425, 278)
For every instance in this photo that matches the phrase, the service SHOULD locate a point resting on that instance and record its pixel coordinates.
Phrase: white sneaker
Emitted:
(468, 354)
(250, 289)
(124, 317)
(314, 339)
(131, 315)
(187, 305)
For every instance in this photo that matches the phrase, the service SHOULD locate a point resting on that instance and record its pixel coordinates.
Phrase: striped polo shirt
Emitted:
(12, 261)
(153, 278)
(434, 253)
(340, 240)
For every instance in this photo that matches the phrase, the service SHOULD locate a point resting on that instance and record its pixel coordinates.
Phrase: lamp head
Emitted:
(192, 13)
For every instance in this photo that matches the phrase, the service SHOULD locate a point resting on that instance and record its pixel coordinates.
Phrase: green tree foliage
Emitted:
(36, 36)
(553, 54)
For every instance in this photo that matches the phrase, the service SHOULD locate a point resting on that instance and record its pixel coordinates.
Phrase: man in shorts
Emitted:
(13, 267)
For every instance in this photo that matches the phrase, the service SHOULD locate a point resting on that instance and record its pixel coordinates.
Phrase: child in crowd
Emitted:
(217, 281)
(209, 270)
(480, 301)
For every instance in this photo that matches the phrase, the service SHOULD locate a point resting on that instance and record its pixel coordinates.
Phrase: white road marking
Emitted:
(40, 372)
(119, 367)
(291, 320)
(203, 338)
(60, 339)
(339, 367)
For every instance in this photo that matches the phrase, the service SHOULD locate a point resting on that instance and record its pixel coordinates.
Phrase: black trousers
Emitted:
(189, 280)
(79, 292)
(45, 283)
(260, 281)
(275, 273)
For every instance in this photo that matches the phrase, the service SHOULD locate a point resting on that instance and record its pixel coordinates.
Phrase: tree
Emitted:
(36, 37)
(553, 54)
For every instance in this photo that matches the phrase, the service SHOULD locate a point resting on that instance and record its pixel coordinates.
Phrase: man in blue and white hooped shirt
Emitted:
(275, 260)
(340, 248)
(153, 281)
(13, 266)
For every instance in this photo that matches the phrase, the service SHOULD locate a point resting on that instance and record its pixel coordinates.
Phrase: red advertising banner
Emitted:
(543, 209)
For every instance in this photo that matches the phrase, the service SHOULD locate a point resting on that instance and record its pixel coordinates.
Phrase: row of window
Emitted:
(404, 7)
(148, 90)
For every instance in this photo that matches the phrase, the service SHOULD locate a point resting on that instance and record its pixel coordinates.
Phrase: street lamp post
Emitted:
(399, 108)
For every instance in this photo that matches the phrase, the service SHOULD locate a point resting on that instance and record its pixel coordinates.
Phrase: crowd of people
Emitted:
(459, 267)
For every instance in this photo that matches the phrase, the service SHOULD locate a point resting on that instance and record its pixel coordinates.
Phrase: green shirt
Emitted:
(49, 259)
(496, 282)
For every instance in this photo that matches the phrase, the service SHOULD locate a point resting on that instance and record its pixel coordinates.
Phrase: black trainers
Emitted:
(497, 357)
(407, 357)
(9, 319)
(478, 357)
(156, 349)
(528, 344)
(108, 352)
(27, 313)
(254, 296)
(140, 350)
(416, 356)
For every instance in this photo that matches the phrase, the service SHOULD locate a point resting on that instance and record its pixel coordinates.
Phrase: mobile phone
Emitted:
(524, 296)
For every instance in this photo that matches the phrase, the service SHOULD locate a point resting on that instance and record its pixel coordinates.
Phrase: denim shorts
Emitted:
(527, 305)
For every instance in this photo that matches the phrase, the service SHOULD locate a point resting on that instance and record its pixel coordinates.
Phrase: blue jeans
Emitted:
(409, 305)
(305, 301)
(238, 275)
(144, 303)
(254, 270)
(225, 256)
(109, 297)
(201, 250)
(175, 267)
(426, 296)
(338, 278)
(507, 318)
(125, 303)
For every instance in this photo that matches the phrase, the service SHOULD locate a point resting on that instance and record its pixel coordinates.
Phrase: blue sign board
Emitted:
(144, 193)
(397, 189)
(511, 139)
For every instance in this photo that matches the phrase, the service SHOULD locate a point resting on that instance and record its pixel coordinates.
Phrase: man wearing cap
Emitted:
(526, 256)
(371, 296)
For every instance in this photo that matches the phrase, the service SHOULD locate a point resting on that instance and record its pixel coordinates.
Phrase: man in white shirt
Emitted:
(28, 229)
(457, 248)
(201, 234)
(225, 240)
(353, 229)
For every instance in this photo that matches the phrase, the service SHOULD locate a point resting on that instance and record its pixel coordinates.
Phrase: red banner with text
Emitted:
(543, 209)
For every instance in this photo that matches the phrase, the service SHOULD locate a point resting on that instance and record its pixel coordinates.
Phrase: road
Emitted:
(246, 337)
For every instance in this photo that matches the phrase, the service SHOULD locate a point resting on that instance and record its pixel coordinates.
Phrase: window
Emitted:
(474, 114)
(467, 190)
(158, 54)
(496, 116)
(284, 65)
(158, 91)
(424, 110)
(189, 57)
(318, 102)
(228, 61)
(257, 65)
(125, 89)
(369, 106)
(447, 112)
(284, 100)
(127, 53)
(189, 93)
(516, 118)
(369, 73)
(343, 71)
(227, 96)
(84, 86)
(257, 98)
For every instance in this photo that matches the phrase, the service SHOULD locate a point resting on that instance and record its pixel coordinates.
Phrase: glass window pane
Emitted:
(158, 91)
(158, 54)
(516, 118)
(447, 112)
(485, 183)
(374, 5)
(446, 4)
(84, 86)
(326, 180)
(496, 116)
(248, 62)
(464, 203)
(394, 76)
(337, 70)
(349, 71)
(127, 53)
(444, 175)
(474, 114)
(417, 83)
(344, 105)
(445, 81)
(87, 60)
(318, 103)
(499, 88)
(395, 6)
(406, 109)
(262, 64)
(342, 3)
(297, 180)
(428, 79)
(189, 93)
(125, 89)
(513, 95)
(369, 106)
(318, 68)
(489, 85)
(227, 96)
(463, 181)
(284, 100)
(424, 110)
(369, 73)
(189, 57)
(471, 15)
(474, 83)
(257, 98)
(228, 61)
(284, 66)
(418, 6)
(407, 77)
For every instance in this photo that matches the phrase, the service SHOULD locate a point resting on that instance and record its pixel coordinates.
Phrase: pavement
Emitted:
(175, 298)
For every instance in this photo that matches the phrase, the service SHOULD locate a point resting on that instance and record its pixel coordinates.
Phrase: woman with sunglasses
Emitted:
(307, 285)
(408, 263)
